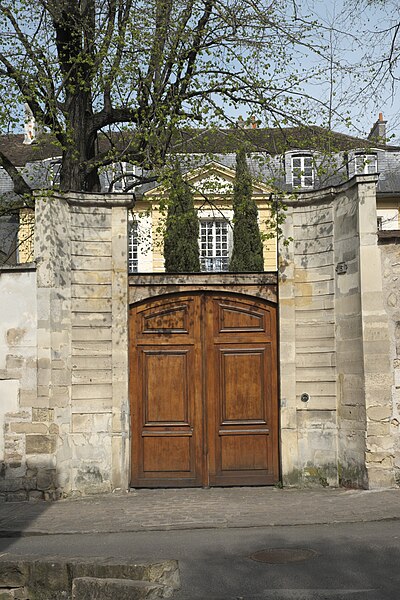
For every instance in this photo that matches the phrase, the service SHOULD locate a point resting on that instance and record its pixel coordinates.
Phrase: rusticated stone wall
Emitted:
(335, 342)
(64, 380)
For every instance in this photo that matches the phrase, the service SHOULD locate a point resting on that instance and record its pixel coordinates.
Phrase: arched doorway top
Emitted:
(259, 285)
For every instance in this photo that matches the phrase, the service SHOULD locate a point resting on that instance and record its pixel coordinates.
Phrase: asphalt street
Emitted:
(346, 560)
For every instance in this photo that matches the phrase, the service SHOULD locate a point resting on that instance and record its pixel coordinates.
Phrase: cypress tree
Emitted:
(247, 255)
(181, 237)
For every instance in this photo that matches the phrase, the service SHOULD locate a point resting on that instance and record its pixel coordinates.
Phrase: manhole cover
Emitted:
(283, 555)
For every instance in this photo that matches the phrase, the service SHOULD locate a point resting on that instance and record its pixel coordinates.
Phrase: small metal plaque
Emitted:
(341, 268)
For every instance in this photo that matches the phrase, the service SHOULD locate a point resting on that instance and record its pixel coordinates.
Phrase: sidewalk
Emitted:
(145, 510)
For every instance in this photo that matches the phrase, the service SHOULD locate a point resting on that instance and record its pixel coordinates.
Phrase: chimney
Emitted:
(253, 122)
(378, 131)
(32, 130)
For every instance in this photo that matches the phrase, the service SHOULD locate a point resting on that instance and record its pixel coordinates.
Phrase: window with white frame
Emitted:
(214, 245)
(365, 164)
(302, 171)
(133, 247)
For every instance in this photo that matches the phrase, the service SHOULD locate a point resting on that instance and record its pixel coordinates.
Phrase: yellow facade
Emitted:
(26, 235)
(212, 186)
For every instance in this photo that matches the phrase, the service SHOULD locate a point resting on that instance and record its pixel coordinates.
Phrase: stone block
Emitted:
(84, 363)
(82, 423)
(92, 588)
(378, 429)
(20, 496)
(49, 578)
(382, 443)
(92, 390)
(41, 461)
(379, 478)
(93, 319)
(165, 572)
(28, 428)
(92, 376)
(41, 444)
(316, 388)
(91, 248)
(20, 593)
(91, 263)
(45, 479)
(316, 419)
(90, 348)
(13, 573)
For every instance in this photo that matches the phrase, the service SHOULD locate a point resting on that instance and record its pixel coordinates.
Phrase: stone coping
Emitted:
(190, 279)
(389, 237)
(19, 268)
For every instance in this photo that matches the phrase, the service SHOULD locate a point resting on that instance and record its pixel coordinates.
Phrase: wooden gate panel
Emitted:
(241, 392)
(166, 395)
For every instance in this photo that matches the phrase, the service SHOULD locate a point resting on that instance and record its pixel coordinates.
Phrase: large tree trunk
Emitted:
(74, 175)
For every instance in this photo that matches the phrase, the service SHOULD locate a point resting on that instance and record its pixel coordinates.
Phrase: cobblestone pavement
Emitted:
(145, 510)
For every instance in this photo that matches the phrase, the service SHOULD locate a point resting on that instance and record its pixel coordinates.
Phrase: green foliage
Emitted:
(181, 246)
(145, 70)
(247, 255)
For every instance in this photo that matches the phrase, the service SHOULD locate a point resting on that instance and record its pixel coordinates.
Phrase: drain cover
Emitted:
(278, 556)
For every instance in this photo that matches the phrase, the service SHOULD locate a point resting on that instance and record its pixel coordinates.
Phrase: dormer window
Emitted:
(365, 164)
(302, 171)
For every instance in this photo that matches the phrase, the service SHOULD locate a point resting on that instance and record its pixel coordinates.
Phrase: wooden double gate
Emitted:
(203, 386)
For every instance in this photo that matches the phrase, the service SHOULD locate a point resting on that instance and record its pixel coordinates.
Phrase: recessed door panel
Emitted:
(166, 369)
(242, 390)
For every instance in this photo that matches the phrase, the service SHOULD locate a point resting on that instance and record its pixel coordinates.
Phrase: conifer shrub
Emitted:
(181, 245)
(247, 254)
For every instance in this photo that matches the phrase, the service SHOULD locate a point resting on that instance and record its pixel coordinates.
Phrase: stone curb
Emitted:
(5, 533)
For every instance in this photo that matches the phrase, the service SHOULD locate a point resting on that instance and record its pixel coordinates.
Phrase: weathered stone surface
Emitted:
(13, 573)
(40, 444)
(164, 572)
(14, 594)
(52, 578)
(91, 588)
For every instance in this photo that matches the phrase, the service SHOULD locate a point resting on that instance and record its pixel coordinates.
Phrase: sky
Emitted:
(360, 36)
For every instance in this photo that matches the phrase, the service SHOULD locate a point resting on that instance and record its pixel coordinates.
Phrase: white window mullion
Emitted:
(302, 171)
(214, 245)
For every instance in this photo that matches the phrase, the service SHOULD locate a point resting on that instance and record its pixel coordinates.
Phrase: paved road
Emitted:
(351, 561)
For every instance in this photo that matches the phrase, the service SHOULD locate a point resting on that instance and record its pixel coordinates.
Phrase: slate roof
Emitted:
(211, 141)
(272, 141)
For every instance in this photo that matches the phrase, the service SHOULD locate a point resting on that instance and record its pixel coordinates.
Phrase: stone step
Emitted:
(95, 588)
(52, 576)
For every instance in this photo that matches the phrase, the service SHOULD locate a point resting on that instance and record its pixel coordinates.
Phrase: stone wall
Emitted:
(334, 342)
(390, 252)
(65, 377)
(20, 476)
(308, 357)
(64, 347)
(82, 286)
